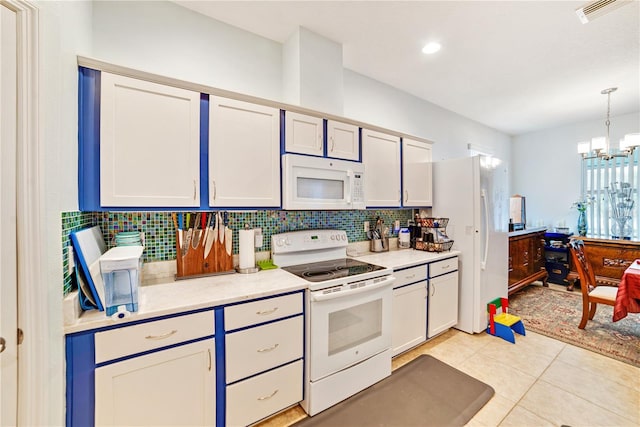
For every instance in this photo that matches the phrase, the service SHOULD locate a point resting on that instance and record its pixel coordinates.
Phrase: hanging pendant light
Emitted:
(600, 146)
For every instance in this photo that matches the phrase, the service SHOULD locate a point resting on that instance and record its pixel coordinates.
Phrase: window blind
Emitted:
(599, 175)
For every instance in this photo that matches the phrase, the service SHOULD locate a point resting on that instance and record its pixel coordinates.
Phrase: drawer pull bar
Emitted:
(444, 266)
(161, 337)
(411, 277)
(268, 397)
(268, 349)
(209, 351)
(264, 313)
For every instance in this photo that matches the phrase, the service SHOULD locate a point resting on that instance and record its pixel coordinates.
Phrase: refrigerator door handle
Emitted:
(483, 263)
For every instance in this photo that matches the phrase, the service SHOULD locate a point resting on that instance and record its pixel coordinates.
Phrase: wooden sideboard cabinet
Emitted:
(526, 259)
(608, 257)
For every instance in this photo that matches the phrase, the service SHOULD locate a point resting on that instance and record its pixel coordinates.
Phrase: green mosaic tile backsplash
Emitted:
(160, 241)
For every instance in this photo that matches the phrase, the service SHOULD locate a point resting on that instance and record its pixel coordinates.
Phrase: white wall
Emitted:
(166, 39)
(545, 167)
(374, 102)
(65, 30)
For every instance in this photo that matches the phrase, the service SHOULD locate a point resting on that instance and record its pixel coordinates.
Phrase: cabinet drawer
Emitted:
(410, 275)
(127, 340)
(261, 348)
(442, 267)
(258, 397)
(251, 313)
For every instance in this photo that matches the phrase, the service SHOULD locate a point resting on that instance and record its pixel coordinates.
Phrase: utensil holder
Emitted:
(379, 245)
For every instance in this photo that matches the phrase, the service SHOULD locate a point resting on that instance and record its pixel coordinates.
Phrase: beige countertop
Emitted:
(169, 296)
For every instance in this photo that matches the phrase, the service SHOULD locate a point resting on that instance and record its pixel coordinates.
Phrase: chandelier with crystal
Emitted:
(600, 147)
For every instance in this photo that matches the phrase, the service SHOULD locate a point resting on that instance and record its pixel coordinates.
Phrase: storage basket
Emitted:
(434, 246)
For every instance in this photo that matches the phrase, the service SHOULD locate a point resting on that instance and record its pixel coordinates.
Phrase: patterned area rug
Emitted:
(557, 313)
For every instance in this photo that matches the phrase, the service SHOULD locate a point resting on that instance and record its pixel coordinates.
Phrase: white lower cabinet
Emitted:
(258, 397)
(169, 387)
(443, 303)
(409, 317)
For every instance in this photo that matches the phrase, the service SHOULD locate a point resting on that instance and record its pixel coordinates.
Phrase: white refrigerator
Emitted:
(472, 193)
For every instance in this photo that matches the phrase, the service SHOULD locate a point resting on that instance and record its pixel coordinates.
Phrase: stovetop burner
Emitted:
(332, 269)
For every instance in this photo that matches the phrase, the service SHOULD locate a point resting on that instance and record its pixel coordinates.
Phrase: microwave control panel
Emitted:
(357, 195)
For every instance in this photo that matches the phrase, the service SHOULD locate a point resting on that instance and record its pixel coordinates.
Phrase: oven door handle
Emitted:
(319, 296)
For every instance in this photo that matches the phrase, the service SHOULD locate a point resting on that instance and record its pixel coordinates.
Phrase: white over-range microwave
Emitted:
(319, 183)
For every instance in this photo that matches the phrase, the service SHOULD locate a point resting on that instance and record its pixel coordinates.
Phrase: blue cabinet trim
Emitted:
(89, 139)
(221, 375)
(80, 393)
(204, 151)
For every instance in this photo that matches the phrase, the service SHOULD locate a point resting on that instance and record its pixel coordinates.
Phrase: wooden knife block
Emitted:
(193, 264)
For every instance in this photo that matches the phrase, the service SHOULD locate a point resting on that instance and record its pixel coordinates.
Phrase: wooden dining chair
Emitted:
(592, 292)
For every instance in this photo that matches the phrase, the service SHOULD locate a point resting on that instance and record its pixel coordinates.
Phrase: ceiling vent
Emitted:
(593, 10)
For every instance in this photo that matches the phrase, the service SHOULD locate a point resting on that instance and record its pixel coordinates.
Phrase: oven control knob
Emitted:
(287, 242)
(343, 237)
(333, 237)
(280, 242)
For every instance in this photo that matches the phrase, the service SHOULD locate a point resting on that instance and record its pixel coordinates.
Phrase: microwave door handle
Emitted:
(349, 185)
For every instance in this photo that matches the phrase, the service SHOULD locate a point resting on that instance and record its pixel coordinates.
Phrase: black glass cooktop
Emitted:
(333, 269)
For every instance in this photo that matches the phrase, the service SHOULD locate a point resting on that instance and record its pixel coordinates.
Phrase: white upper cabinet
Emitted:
(303, 134)
(343, 140)
(381, 158)
(244, 154)
(149, 144)
(416, 173)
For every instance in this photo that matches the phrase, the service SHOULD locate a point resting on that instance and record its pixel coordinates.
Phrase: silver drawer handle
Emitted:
(161, 337)
(268, 349)
(268, 397)
(264, 313)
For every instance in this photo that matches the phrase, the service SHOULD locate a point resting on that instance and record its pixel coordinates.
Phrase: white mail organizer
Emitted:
(120, 268)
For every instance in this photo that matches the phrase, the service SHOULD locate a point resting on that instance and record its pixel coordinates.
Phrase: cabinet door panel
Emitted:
(343, 140)
(417, 173)
(303, 134)
(381, 157)
(443, 303)
(244, 154)
(149, 144)
(409, 317)
(170, 387)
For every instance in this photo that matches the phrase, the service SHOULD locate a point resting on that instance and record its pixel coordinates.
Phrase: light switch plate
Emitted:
(366, 226)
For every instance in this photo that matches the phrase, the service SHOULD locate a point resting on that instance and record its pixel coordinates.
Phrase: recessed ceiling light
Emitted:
(431, 47)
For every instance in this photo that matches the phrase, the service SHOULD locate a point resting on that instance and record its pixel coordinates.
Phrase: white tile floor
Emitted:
(538, 381)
